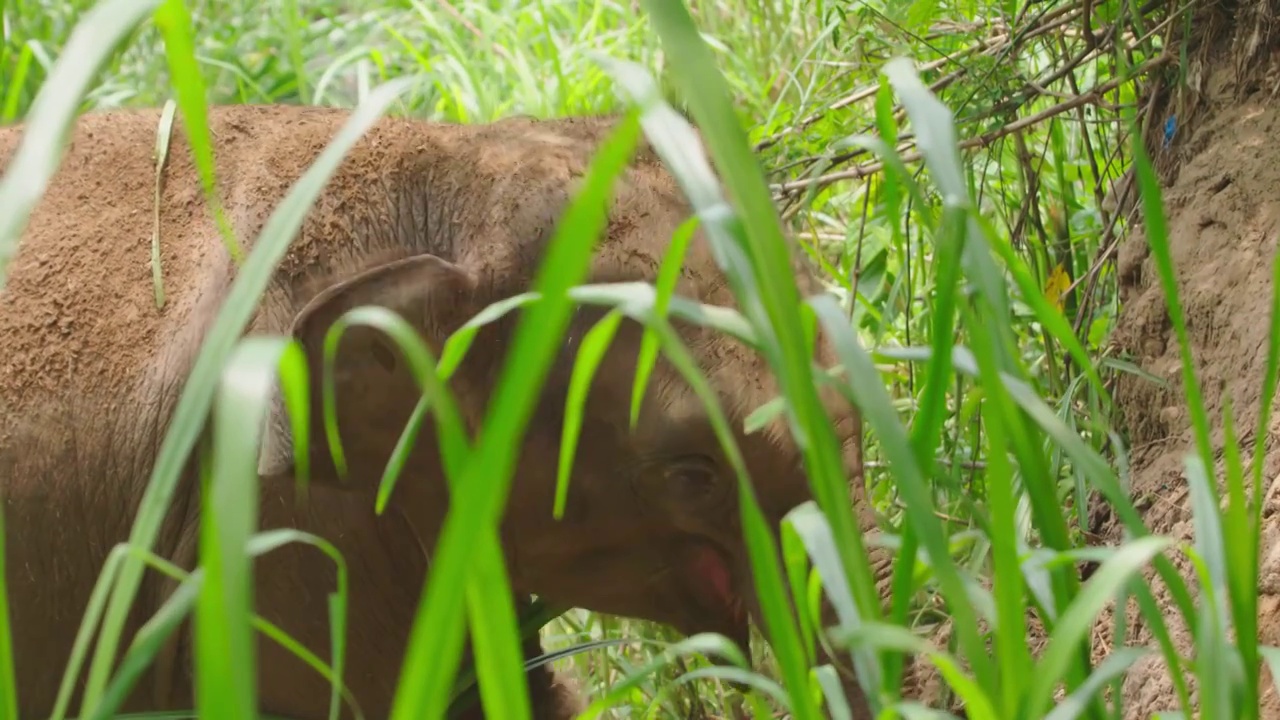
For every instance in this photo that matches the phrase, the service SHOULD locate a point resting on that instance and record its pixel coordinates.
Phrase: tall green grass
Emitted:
(1028, 549)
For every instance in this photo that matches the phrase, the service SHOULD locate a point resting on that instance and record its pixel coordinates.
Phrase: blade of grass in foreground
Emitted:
(193, 405)
(679, 148)
(178, 605)
(1214, 655)
(668, 273)
(936, 133)
(225, 661)
(677, 144)
(1103, 477)
(768, 286)
(494, 627)
(884, 636)
(175, 23)
(488, 584)
(1246, 574)
(703, 644)
(1078, 619)
(1243, 524)
(862, 381)
(1157, 236)
(8, 682)
(592, 350)
(756, 531)
(435, 642)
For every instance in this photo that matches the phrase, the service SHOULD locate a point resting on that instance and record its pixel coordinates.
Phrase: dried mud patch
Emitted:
(1223, 212)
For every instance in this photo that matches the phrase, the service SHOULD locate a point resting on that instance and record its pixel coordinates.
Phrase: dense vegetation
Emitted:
(982, 460)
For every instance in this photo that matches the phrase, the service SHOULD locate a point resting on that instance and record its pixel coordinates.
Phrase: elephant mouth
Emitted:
(715, 587)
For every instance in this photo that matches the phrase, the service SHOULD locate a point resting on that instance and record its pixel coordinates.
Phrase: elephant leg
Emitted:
(552, 695)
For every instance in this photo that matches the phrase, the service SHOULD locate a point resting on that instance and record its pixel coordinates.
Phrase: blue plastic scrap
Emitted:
(1170, 127)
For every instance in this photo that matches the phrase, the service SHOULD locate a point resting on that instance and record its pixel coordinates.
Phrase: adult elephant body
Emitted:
(434, 221)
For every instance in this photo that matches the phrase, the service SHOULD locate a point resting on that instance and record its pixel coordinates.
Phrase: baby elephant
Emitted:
(433, 221)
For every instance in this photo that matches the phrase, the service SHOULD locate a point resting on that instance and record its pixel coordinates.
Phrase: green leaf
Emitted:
(863, 385)
(1078, 619)
(702, 644)
(1114, 666)
(883, 636)
(175, 24)
(225, 656)
(435, 640)
(594, 345)
(668, 274)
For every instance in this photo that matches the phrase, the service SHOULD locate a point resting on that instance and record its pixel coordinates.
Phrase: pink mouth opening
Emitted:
(714, 582)
(712, 568)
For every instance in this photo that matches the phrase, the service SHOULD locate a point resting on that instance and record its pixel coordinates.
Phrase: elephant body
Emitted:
(434, 221)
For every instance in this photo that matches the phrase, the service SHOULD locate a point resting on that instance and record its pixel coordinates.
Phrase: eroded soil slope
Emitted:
(1223, 210)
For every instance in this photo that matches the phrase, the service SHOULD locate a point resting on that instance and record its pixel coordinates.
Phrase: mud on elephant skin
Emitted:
(433, 221)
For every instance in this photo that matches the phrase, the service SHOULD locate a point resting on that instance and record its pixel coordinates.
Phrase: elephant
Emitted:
(434, 221)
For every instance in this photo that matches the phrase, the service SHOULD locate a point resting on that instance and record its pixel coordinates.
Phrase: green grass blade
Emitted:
(17, 83)
(676, 143)
(665, 285)
(837, 701)
(819, 542)
(435, 640)
(1052, 318)
(264, 542)
(455, 348)
(1094, 467)
(1005, 432)
(753, 253)
(702, 644)
(753, 680)
(1157, 237)
(225, 661)
(882, 636)
(865, 387)
(1114, 666)
(761, 549)
(800, 581)
(488, 590)
(88, 622)
(450, 429)
(1079, 618)
(175, 24)
(146, 644)
(8, 675)
(1215, 650)
(1246, 574)
(1271, 656)
(178, 606)
(495, 634)
(594, 345)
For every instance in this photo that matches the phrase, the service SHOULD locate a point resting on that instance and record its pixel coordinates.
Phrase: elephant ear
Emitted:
(374, 390)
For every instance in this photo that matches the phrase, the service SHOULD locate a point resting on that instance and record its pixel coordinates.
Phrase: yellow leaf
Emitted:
(1056, 287)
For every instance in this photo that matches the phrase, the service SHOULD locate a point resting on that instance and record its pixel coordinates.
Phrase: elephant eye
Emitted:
(693, 477)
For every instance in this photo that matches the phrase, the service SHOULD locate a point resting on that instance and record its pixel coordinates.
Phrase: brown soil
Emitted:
(1222, 218)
